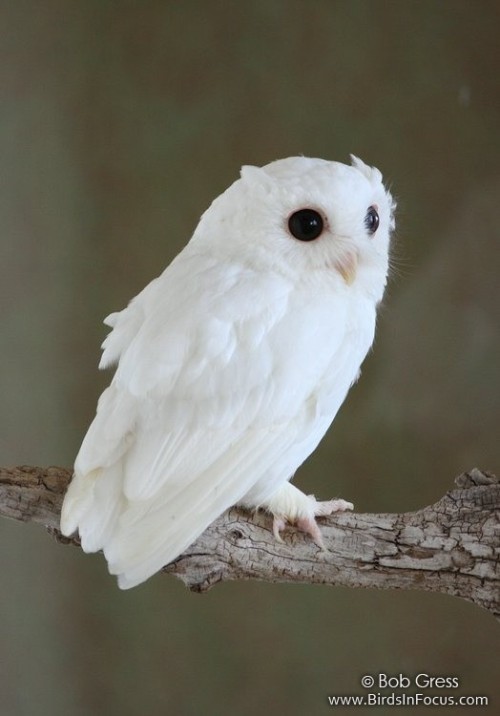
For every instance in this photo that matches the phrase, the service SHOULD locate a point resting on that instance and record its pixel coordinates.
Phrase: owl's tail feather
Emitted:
(139, 537)
(152, 534)
(93, 505)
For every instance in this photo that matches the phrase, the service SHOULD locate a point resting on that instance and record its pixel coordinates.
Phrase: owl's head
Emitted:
(301, 215)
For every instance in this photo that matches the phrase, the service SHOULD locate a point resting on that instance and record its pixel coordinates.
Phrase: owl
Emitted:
(232, 364)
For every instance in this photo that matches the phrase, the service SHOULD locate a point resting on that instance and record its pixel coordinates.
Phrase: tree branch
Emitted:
(451, 547)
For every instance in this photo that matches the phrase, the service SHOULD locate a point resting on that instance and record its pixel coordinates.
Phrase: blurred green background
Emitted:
(119, 123)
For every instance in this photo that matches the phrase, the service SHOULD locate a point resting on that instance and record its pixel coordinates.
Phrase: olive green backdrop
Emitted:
(119, 122)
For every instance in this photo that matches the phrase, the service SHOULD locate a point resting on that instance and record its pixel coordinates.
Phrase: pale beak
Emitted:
(347, 267)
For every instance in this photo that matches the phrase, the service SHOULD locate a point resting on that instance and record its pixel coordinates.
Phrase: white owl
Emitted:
(233, 363)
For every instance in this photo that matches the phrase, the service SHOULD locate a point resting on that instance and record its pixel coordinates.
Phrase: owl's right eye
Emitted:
(306, 224)
(372, 220)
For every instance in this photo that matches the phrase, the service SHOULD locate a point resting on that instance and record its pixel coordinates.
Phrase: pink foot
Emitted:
(309, 524)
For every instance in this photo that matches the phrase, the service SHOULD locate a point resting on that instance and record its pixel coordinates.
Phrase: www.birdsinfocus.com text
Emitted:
(424, 690)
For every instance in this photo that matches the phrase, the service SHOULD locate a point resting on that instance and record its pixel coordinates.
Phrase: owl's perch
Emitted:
(452, 546)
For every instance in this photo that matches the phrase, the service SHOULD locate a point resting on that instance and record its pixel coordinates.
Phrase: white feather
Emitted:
(231, 365)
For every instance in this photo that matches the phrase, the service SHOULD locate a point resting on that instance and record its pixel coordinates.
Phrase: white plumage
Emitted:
(233, 363)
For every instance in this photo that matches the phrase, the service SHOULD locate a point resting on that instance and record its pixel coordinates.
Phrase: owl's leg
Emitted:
(289, 504)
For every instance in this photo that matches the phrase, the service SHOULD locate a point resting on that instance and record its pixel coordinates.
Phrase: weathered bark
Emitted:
(452, 546)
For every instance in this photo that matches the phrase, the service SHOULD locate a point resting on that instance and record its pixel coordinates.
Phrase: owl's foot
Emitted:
(290, 505)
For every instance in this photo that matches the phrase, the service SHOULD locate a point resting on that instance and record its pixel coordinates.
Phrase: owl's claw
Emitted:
(311, 527)
(308, 524)
(330, 506)
(278, 526)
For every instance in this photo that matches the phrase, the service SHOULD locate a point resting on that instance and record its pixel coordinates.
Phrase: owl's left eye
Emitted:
(372, 220)
(306, 224)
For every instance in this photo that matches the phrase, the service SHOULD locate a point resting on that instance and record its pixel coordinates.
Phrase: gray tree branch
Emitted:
(451, 547)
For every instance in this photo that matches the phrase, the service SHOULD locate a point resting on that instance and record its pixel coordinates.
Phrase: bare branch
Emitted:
(451, 547)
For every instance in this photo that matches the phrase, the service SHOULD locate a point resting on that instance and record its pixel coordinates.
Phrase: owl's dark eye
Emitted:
(372, 220)
(306, 224)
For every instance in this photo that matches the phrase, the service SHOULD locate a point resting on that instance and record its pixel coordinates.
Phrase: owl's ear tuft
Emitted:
(256, 177)
(371, 173)
(253, 175)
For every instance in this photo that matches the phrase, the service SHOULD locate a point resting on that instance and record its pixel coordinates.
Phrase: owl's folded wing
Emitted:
(207, 397)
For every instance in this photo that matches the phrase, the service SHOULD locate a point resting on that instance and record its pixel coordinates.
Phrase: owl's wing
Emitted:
(208, 396)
